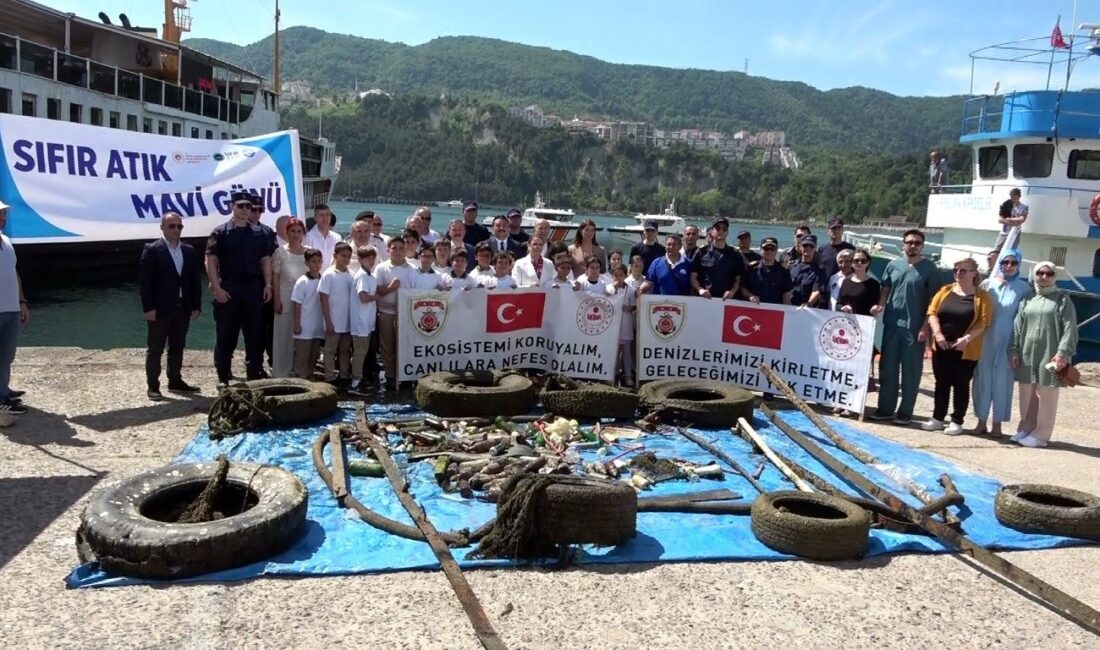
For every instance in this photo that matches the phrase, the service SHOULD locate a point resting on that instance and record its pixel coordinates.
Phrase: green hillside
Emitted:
(570, 84)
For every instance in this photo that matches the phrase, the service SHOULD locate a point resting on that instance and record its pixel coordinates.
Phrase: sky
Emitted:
(902, 47)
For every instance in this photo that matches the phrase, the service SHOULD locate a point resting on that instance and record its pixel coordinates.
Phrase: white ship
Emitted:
(58, 66)
(560, 219)
(668, 223)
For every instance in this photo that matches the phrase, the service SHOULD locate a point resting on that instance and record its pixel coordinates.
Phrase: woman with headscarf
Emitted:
(994, 377)
(1044, 342)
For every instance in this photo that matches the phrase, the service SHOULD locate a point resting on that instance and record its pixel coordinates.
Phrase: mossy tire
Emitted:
(586, 510)
(294, 401)
(700, 402)
(475, 393)
(1048, 510)
(591, 402)
(811, 525)
(121, 529)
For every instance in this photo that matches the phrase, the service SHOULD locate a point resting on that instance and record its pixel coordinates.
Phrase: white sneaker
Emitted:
(933, 425)
(1031, 441)
(1019, 435)
(953, 429)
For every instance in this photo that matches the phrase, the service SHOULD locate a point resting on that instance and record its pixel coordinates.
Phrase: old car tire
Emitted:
(591, 401)
(811, 525)
(129, 528)
(1048, 509)
(700, 402)
(475, 393)
(585, 510)
(294, 401)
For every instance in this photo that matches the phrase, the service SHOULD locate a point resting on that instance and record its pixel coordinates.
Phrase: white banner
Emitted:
(68, 182)
(824, 355)
(558, 330)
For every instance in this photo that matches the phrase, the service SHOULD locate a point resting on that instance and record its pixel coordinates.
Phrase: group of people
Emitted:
(337, 300)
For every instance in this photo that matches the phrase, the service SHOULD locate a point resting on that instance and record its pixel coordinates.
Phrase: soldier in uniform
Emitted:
(269, 306)
(238, 264)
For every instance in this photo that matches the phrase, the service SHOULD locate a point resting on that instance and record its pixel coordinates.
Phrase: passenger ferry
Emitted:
(1046, 143)
(58, 66)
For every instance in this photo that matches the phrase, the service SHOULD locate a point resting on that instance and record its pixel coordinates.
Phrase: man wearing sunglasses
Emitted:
(908, 285)
(238, 265)
(171, 297)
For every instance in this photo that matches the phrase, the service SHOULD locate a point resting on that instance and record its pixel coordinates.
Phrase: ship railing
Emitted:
(890, 247)
(986, 113)
(32, 58)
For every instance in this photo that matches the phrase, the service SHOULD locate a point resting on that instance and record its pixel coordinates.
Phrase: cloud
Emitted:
(841, 38)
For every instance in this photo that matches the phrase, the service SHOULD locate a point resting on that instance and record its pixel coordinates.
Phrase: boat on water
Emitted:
(454, 203)
(559, 219)
(668, 223)
(1044, 142)
(55, 65)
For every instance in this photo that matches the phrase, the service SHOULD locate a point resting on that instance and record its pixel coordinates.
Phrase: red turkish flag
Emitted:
(508, 312)
(761, 328)
(1056, 39)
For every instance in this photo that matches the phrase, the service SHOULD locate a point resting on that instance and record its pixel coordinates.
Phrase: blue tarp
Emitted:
(338, 543)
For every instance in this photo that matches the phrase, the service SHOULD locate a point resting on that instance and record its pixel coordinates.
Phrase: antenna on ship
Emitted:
(278, 83)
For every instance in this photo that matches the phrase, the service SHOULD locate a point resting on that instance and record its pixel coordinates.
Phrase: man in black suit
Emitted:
(171, 297)
(500, 241)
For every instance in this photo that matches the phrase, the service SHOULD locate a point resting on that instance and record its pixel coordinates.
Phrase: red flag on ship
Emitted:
(1056, 40)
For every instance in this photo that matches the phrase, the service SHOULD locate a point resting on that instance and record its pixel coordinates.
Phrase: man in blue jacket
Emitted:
(171, 297)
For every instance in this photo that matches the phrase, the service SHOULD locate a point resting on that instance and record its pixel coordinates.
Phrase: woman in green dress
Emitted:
(1045, 340)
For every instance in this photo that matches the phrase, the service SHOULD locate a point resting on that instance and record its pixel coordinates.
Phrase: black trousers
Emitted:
(370, 363)
(953, 375)
(173, 332)
(242, 313)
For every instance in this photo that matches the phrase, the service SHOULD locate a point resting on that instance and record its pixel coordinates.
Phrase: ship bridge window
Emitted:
(5, 100)
(993, 162)
(1084, 164)
(1032, 160)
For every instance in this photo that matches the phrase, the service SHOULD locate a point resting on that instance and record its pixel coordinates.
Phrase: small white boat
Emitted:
(668, 223)
(449, 204)
(560, 219)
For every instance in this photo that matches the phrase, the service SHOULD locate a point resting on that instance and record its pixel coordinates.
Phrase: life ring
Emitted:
(1094, 210)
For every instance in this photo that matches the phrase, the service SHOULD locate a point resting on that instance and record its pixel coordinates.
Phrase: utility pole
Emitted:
(746, 65)
(278, 77)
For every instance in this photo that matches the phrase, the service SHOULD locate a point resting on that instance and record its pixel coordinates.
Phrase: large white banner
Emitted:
(69, 182)
(824, 355)
(558, 330)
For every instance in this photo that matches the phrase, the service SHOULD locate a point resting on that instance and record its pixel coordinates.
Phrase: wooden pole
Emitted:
(756, 440)
(277, 81)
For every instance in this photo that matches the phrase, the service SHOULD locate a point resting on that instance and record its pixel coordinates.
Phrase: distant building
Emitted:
(296, 91)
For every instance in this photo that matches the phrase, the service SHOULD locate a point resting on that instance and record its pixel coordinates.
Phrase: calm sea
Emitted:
(104, 317)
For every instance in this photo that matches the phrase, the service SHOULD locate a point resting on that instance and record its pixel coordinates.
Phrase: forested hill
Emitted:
(573, 85)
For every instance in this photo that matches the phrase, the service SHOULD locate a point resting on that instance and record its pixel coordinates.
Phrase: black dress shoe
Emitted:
(155, 395)
(182, 387)
(16, 394)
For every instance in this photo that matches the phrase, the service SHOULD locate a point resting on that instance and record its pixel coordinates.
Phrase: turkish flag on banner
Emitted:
(761, 328)
(508, 312)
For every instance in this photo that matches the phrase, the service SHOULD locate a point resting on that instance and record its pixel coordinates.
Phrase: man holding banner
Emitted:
(238, 264)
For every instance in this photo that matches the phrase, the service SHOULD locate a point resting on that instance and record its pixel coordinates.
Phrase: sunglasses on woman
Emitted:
(860, 261)
(1044, 274)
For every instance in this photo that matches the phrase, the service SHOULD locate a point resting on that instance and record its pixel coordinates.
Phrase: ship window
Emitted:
(1032, 160)
(195, 132)
(147, 125)
(113, 119)
(30, 105)
(162, 127)
(131, 122)
(993, 162)
(1084, 164)
(53, 108)
(209, 134)
(76, 113)
(5, 100)
(1057, 255)
(96, 116)
(177, 129)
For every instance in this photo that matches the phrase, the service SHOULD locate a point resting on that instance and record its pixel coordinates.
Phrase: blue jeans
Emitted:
(900, 352)
(9, 336)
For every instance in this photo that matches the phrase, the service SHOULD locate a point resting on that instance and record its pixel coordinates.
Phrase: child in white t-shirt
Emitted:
(626, 328)
(593, 281)
(502, 278)
(364, 314)
(458, 278)
(562, 277)
(309, 325)
(483, 262)
(426, 278)
(335, 292)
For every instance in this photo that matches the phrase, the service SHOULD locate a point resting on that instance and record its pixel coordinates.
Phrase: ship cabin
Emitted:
(1047, 144)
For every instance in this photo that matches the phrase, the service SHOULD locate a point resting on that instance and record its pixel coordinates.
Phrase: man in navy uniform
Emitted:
(768, 282)
(171, 297)
(269, 306)
(718, 267)
(475, 232)
(238, 264)
(648, 249)
(515, 227)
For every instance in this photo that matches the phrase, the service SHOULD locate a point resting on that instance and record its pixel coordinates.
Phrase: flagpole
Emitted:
(1069, 55)
(1053, 49)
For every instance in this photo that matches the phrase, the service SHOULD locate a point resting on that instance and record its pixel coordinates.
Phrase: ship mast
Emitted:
(177, 20)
